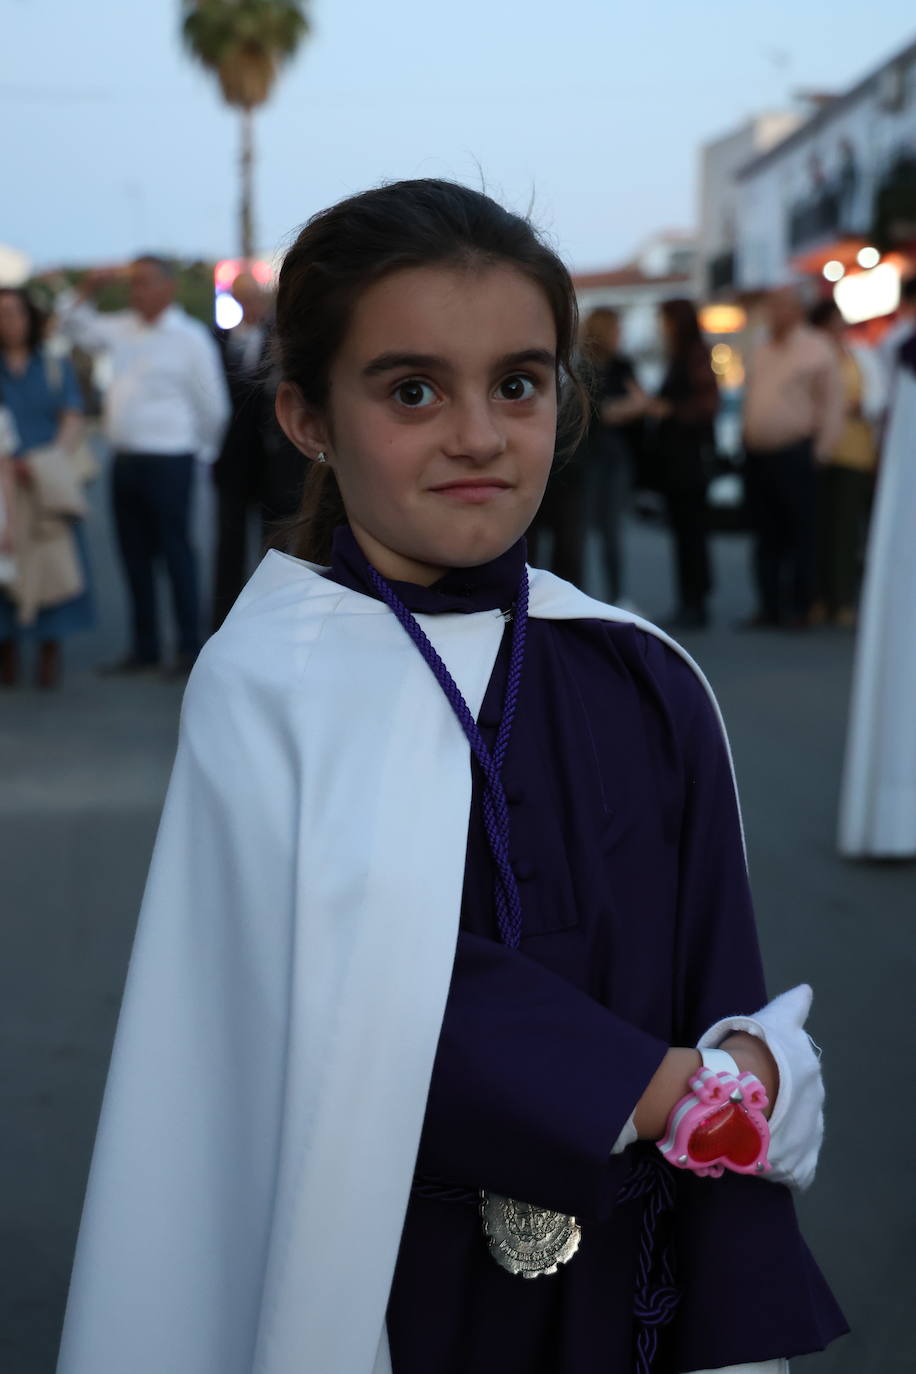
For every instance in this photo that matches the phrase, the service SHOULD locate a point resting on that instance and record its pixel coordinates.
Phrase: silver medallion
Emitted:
(527, 1240)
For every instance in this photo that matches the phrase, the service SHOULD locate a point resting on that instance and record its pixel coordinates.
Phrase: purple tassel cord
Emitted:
(495, 806)
(656, 1297)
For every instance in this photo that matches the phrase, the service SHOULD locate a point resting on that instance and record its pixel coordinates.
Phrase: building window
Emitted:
(720, 271)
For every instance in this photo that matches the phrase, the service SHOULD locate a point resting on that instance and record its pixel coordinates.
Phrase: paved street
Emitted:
(83, 776)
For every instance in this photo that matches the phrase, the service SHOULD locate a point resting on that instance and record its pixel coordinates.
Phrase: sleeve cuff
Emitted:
(797, 1120)
(627, 1136)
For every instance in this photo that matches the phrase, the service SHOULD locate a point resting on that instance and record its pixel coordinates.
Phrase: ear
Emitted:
(301, 423)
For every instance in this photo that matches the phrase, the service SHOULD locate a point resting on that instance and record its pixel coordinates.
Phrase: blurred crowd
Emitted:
(815, 406)
(179, 393)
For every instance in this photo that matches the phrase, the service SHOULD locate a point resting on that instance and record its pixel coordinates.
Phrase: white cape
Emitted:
(286, 991)
(878, 798)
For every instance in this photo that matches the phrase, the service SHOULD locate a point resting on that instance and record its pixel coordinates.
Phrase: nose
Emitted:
(475, 432)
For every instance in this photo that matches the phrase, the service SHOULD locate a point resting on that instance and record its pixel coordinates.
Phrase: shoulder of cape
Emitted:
(551, 598)
(267, 637)
(287, 600)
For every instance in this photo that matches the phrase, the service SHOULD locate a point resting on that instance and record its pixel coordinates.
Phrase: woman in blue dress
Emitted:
(44, 401)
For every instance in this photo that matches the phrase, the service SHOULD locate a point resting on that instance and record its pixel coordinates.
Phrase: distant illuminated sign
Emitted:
(867, 295)
(226, 310)
(722, 319)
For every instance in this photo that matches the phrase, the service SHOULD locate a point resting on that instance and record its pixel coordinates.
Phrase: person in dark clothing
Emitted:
(618, 404)
(561, 520)
(685, 411)
(257, 466)
(588, 490)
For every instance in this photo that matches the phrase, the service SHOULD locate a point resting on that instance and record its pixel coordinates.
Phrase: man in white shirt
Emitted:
(793, 417)
(167, 405)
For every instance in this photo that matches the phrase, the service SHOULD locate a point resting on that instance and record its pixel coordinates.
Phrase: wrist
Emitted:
(719, 1124)
(666, 1087)
(752, 1055)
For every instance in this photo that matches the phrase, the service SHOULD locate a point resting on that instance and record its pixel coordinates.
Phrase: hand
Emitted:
(752, 1055)
(658, 408)
(671, 1081)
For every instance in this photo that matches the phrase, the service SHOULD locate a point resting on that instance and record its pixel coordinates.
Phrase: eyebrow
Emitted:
(392, 362)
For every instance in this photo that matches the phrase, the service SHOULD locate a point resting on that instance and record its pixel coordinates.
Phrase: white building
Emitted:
(843, 180)
(720, 162)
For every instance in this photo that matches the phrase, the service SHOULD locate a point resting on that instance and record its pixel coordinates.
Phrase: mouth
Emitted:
(474, 490)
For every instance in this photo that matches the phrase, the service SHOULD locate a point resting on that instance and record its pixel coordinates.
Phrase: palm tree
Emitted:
(244, 42)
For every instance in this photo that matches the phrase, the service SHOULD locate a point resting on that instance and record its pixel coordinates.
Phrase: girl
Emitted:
(449, 884)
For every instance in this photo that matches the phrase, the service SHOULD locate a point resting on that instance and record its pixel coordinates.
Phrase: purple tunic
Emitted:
(638, 934)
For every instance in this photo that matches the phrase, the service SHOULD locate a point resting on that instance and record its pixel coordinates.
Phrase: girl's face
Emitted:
(442, 415)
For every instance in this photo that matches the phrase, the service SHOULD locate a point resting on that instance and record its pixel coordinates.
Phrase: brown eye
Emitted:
(516, 388)
(415, 394)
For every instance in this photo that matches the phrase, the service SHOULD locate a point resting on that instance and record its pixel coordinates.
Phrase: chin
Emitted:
(468, 549)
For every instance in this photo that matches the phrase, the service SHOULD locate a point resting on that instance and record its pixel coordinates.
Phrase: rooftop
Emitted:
(829, 111)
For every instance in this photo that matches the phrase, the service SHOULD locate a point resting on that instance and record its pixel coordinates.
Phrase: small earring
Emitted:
(321, 458)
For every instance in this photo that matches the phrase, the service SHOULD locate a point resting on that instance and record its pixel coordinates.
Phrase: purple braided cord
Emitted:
(656, 1297)
(655, 1301)
(495, 806)
(437, 1190)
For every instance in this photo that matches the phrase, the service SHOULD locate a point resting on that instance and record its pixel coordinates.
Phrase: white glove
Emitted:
(797, 1120)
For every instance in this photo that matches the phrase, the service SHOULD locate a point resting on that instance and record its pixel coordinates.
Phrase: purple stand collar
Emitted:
(488, 587)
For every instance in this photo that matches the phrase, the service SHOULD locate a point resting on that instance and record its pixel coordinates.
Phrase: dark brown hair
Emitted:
(592, 344)
(343, 250)
(37, 319)
(164, 266)
(823, 313)
(681, 315)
